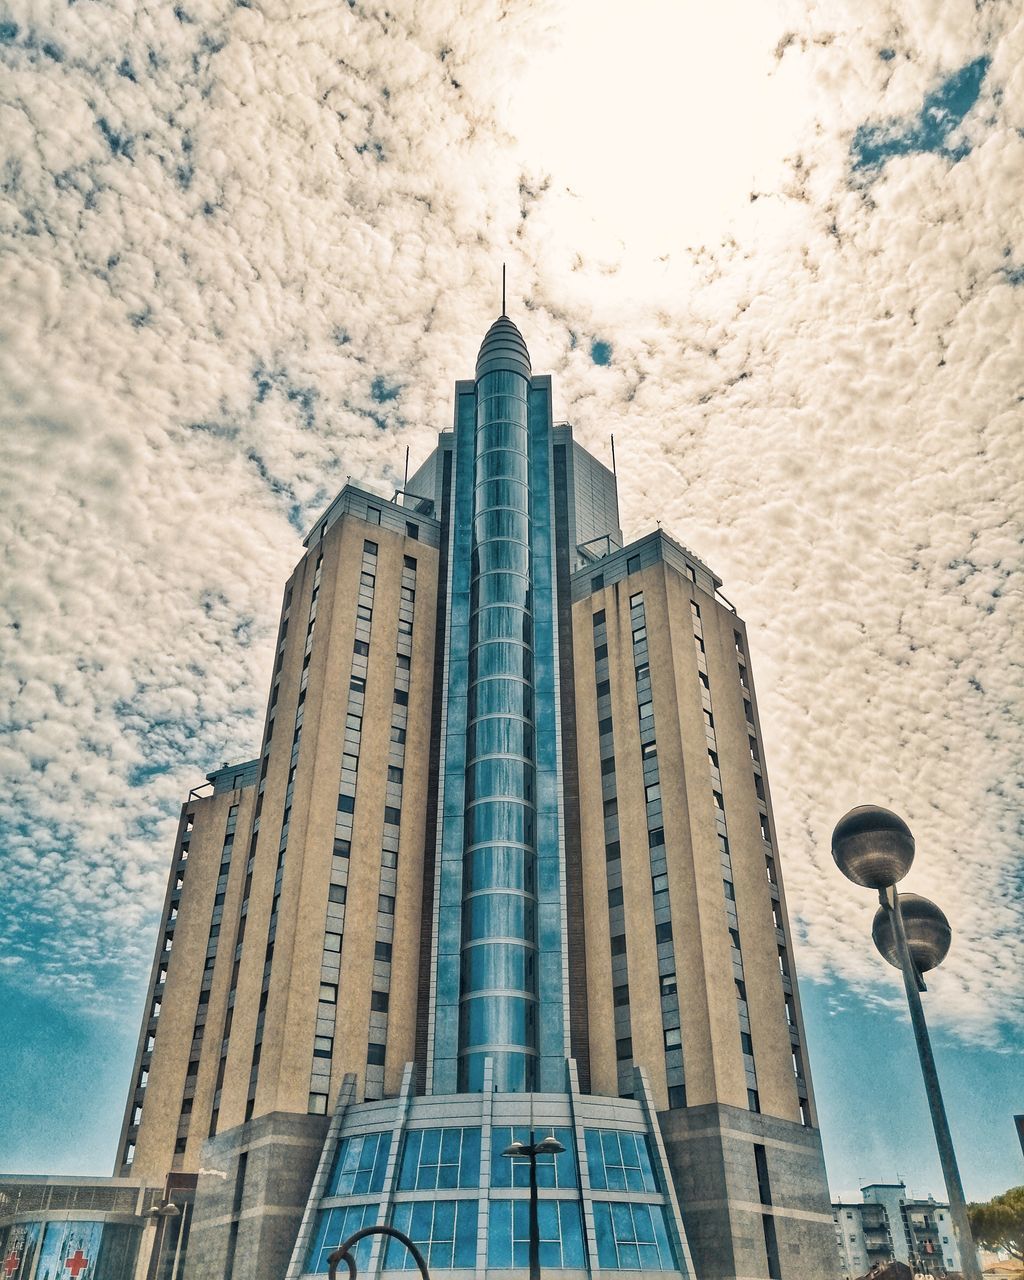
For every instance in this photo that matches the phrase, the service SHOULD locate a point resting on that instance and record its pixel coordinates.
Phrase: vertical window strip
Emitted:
(731, 915)
(388, 879)
(344, 818)
(613, 863)
(671, 1024)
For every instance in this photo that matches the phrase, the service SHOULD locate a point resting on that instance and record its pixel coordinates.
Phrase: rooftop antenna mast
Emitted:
(615, 478)
(503, 289)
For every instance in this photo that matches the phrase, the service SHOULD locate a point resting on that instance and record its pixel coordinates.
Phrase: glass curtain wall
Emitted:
(498, 982)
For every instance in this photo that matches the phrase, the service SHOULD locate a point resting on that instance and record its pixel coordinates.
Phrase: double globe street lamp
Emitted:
(549, 1146)
(874, 848)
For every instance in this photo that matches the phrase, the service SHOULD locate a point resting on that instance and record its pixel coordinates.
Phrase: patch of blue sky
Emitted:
(601, 352)
(931, 130)
(382, 390)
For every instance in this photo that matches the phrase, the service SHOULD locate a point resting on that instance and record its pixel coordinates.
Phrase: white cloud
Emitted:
(222, 226)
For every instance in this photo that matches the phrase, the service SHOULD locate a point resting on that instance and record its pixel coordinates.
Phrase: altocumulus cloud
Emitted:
(246, 252)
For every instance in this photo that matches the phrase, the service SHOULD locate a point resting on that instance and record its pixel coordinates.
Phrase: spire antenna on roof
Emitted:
(503, 289)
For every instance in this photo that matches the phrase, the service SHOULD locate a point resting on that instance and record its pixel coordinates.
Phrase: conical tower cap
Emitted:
(503, 347)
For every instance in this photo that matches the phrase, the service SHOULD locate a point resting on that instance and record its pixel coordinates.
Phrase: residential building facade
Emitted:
(886, 1223)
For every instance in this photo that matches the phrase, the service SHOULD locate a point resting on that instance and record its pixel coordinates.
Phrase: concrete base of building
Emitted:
(743, 1223)
(253, 1185)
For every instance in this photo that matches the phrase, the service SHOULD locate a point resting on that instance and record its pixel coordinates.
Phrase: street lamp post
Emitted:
(874, 848)
(549, 1146)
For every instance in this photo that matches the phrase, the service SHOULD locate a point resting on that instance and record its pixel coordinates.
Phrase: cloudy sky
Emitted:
(776, 248)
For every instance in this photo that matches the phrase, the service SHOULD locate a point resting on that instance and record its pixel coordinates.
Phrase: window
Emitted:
(394, 773)
(607, 766)
(600, 652)
(444, 1231)
(730, 891)
(440, 1159)
(615, 897)
(392, 816)
(318, 1107)
(342, 848)
(332, 941)
(648, 750)
(329, 992)
(379, 1001)
(633, 565)
(719, 801)
(753, 1101)
(410, 562)
(560, 1233)
(747, 1045)
(618, 944)
(361, 647)
(713, 757)
(659, 884)
(620, 995)
(360, 1165)
(624, 1048)
(382, 952)
(552, 1171)
(597, 582)
(603, 688)
(412, 531)
(611, 807)
(358, 684)
(337, 893)
(386, 904)
(612, 851)
(375, 1055)
(635, 601)
(403, 662)
(402, 697)
(599, 618)
(663, 932)
(741, 989)
(397, 734)
(604, 726)
(619, 1161)
(346, 804)
(640, 636)
(323, 1046)
(656, 837)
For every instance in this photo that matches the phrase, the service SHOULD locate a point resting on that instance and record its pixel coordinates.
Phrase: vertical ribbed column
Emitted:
(498, 957)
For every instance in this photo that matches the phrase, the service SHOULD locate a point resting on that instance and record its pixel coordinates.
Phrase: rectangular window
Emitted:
(440, 1160)
(402, 697)
(663, 932)
(360, 1166)
(615, 897)
(403, 662)
(329, 992)
(560, 1232)
(633, 564)
(619, 1161)
(412, 530)
(346, 804)
(444, 1231)
(612, 851)
(386, 904)
(332, 941)
(603, 688)
(337, 893)
(598, 618)
(342, 848)
(392, 816)
(323, 1046)
(624, 1048)
(600, 652)
(382, 952)
(361, 647)
(410, 562)
(395, 774)
(607, 766)
(375, 1054)
(604, 726)
(597, 582)
(635, 601)
(618, 944)
(620, 995)
(379, 1001)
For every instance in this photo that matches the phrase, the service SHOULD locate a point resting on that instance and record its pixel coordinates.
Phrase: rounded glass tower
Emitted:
(498, 1004)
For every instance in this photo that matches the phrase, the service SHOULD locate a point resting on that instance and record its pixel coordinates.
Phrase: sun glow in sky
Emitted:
(655, 124)
(777, 249)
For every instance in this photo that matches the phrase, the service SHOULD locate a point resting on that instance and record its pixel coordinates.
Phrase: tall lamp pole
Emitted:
(549, 1146)
(874, 848)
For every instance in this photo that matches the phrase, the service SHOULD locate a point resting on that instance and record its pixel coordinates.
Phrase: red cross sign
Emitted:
(77, 1262)
(11, 1263)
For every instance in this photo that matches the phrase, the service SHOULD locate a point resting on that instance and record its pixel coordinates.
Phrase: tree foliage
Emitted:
(999, 1223)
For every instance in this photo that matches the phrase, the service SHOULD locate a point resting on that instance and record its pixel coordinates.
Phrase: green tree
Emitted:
(999, 1223)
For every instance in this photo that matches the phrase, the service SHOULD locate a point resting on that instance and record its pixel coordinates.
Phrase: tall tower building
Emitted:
(505, 864)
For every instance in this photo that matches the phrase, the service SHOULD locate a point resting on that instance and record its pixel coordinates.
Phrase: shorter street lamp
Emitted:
(549, 1146)
(874, 848)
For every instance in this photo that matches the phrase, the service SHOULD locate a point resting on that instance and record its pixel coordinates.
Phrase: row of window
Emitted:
(613, 860)
(630, 1236)
(670, 1017)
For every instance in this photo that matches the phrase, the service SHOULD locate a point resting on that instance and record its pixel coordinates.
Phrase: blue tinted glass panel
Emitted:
(360, 1165)
(440, 1158)
(619, 1161)
(335, 1226)
(444, 1230)
(560, 1230)
(552, 1171)
(632, 1237)
(504, 966)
